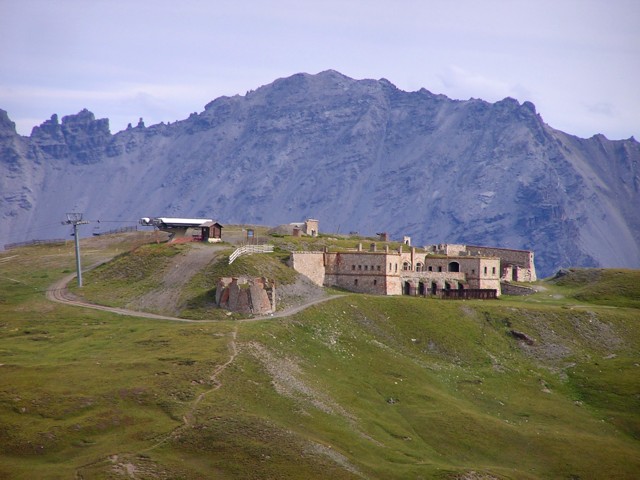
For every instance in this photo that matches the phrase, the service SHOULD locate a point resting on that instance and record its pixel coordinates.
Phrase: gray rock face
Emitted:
(358, 155)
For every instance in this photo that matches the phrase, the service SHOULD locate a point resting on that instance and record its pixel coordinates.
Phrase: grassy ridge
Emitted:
(603, 287)
(358, 387)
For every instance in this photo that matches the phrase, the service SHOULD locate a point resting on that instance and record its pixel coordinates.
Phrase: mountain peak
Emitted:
(7, 127)
(360, 155)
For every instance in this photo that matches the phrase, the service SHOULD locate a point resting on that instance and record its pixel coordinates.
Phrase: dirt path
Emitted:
(183, 267)
(59, 293)
(188, 417)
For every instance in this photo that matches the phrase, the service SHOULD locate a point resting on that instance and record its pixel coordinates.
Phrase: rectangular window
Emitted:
(378, 267)
(353, 267)
(430, 268)
(359, 267)
(485, 270)
(355, 282)
(375, 282)
(494, 270)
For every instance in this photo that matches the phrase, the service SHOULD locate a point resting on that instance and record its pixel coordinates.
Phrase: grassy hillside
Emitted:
(603, 287)
(537, 387)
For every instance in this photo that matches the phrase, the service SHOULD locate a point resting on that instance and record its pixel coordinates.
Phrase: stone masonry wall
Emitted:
(309, 264)
(521, 262)
(364, 272)
(465, 271)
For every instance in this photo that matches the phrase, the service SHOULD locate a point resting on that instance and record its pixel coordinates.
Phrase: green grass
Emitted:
(619, 288)
(332, 242)
(357, 387)
(129, 275)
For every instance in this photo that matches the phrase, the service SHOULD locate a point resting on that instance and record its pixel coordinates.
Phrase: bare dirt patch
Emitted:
(165, 299)
(301, 292)
(288, 381)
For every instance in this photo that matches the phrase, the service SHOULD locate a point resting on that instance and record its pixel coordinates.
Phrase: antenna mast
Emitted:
(75, 219)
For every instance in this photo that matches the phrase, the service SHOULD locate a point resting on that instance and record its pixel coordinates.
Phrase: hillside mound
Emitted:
(613, 287)
(180, 279)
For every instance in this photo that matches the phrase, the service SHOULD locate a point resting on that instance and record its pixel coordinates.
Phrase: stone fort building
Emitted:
(452, 271)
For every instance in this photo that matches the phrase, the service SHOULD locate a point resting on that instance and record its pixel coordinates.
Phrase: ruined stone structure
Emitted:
(309, 227)
(399, 272)
(515, 265)
(246, 295)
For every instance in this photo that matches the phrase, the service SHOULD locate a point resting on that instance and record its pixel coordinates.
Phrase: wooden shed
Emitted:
(211, 232)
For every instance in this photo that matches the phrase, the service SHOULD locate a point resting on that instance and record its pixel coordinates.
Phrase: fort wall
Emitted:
(364, 272)
(442, 267)
(516, 265)
(442, 273)
(309, 264)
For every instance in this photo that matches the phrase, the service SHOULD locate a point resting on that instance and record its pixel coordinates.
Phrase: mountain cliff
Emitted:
(356, 154)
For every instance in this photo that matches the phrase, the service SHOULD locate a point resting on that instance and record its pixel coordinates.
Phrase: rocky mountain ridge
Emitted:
(356, 154)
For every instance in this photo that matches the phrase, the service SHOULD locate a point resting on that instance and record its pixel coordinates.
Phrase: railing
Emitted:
(9, 246)
(133, 228)
(248, 250)
(469, 293)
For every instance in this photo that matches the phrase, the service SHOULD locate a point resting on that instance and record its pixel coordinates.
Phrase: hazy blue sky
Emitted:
(578, 61)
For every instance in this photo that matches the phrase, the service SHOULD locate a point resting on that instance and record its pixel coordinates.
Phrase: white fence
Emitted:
(248, 250)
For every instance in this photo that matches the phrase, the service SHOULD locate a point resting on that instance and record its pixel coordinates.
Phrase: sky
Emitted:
(578, 61)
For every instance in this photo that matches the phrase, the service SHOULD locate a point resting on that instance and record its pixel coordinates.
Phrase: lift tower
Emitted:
(75, 219)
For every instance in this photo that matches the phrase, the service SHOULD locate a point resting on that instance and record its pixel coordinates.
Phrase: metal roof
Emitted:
(174, 222)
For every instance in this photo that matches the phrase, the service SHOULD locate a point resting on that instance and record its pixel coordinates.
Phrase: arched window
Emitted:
(454, 267)
(406, 266)
(419, 267)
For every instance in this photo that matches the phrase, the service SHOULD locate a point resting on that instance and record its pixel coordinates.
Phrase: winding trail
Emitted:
(59, 293)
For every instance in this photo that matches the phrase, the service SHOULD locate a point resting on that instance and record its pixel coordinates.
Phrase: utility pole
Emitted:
(75, 219)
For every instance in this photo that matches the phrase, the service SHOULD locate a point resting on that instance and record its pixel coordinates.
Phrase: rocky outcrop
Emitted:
(79, 138)
(359, 155)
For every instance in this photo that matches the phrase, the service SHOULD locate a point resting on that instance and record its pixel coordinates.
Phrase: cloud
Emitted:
(460, 83)
(601, 108)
